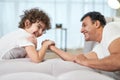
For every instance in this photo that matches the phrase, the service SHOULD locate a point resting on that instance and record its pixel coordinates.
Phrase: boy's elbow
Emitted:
(37, 60)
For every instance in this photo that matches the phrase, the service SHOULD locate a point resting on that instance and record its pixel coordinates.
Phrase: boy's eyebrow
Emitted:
(40, 25)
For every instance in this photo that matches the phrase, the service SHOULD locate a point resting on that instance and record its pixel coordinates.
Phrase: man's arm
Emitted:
(64, 55)
(109, 63)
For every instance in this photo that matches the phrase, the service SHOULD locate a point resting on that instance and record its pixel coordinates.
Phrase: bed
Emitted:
(50, 69)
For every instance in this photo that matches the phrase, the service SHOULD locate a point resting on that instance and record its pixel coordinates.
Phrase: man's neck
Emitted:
(99, 35)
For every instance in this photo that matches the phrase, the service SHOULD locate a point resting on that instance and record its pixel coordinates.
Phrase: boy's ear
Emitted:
(27, 23)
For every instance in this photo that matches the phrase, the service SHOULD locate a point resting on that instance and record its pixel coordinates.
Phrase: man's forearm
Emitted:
(110, 63)
(64, 55)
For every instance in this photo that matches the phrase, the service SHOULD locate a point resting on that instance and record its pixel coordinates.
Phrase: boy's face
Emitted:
(37, 29)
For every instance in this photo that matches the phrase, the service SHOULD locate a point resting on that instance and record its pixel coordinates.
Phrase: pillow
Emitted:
(116, 19)
(109, 19)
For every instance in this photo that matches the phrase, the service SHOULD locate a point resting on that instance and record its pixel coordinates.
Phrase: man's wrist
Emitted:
(51, 47)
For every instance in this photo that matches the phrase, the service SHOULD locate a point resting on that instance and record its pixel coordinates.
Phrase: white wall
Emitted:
(66, 12)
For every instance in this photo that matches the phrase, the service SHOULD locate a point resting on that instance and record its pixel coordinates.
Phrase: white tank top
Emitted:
(110, 32)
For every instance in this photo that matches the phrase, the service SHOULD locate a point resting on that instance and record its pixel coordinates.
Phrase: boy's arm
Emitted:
(37, 56)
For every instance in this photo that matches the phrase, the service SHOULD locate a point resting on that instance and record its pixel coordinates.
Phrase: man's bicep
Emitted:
(114, 47)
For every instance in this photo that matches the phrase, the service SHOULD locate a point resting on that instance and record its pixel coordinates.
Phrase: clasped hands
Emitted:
(80, 59)
(47, 43)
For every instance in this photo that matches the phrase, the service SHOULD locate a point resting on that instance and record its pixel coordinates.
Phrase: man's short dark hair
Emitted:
(95, 16)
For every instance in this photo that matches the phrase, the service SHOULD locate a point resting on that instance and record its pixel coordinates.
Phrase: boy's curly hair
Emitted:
(33, 15)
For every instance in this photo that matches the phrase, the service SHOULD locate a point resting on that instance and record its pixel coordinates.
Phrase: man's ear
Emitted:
(27, 23)
(97, 24)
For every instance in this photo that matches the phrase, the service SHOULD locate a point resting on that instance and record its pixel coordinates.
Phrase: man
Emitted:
(105, 55)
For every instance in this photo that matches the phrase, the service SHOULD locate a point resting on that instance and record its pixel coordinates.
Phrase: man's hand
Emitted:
(81, 59)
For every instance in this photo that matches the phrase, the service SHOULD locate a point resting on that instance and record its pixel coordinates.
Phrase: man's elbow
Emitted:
(112, 69)
(116, 68)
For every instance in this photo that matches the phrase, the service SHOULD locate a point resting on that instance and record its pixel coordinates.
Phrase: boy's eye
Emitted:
(39, 27)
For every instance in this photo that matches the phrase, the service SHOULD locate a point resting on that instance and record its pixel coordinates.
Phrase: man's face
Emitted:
(88, 29)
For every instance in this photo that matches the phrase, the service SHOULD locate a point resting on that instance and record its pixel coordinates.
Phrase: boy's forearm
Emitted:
(42, 52)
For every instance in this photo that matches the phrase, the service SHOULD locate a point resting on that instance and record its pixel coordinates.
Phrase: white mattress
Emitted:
(54, 69)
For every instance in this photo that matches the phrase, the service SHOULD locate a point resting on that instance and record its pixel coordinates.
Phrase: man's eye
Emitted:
(83, 25)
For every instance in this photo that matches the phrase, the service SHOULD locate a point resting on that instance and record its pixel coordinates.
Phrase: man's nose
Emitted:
(82, 30)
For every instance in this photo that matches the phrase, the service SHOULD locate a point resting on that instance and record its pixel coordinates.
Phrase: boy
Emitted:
(22, 43)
